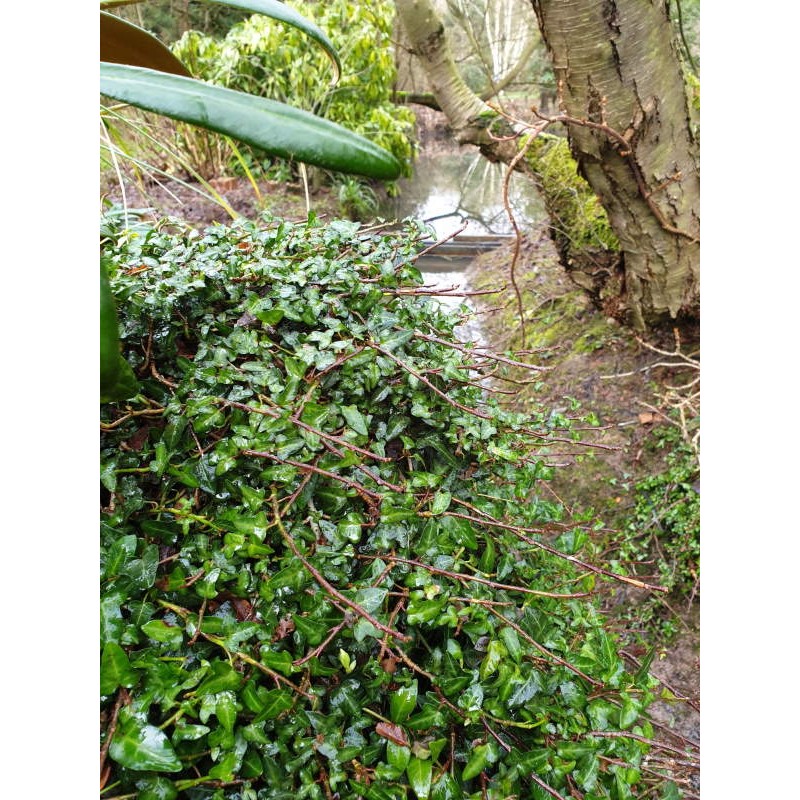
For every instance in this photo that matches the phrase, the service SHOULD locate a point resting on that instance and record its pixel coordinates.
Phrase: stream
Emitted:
(461, 189)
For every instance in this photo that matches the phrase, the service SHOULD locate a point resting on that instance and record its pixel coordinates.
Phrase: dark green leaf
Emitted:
(222, 676)
(477, 762)
(159, 631)
(441, 502)
(355, 419)
(156, 788)
(276, 701)
(277, 129)
(402, 702)
(140, 746)
(419, 773)
(115, 669)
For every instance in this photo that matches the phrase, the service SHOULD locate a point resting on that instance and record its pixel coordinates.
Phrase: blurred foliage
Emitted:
(357, 199)
(262, 57)
(170, 19)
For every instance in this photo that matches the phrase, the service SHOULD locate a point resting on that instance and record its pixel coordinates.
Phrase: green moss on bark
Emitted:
(580, 224)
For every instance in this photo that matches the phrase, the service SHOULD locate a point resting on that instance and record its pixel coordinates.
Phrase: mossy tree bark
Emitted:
(619, 73)
(617, 66)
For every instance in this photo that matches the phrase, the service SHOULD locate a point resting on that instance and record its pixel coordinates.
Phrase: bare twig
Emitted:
(300, 424)
(441, 241)
(122, 699)
(542, 649)
(424, 380)
(328, 587)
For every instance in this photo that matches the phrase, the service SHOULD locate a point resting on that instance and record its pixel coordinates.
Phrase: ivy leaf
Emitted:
(398, 756)
(477, 762)
(222, 677)
(495, 653)
(671, 792)
(447, 788)
(115, 669)
(419, 776)
(140, 746)
(355, 419)
(159, 631)
(402, 702)
(276, 701)
(441, 502)
(512, 643)
(156, 788)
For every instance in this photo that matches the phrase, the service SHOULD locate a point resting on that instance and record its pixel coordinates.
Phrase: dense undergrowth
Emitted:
(328, 565)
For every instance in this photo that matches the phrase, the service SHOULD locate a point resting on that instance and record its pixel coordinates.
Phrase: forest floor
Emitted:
(594, 364)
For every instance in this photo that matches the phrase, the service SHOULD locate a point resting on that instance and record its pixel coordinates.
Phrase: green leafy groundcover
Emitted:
(322, 572)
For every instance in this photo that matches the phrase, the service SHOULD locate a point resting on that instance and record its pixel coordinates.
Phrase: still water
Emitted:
(451, 190)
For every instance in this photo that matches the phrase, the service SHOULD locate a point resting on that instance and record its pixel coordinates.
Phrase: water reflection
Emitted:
(448, 189)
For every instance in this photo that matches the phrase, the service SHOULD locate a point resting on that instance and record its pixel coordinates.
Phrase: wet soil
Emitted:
(198, 205)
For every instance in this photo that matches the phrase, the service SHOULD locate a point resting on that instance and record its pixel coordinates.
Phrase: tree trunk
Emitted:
(631, 131)
(616, 66)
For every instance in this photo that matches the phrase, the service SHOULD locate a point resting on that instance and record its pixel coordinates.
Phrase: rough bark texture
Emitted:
(618, 70)
(616, 66)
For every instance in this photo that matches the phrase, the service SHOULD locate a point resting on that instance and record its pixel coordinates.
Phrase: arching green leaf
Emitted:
(278, 129)
(284, 13)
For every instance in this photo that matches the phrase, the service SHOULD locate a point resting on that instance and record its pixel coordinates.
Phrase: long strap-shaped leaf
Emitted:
(278, 129)
(276, 10)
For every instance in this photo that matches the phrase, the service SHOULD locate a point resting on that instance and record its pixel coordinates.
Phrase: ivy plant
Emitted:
(329, 567)
(137, 69)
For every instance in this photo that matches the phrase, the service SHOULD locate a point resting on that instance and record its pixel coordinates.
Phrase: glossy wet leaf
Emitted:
(222, 676)
(419, 774)
(275, 702)
(446, 788)
(355, 419)
(394, 733)
(156, 788)
(138, 745)
(441, 502)
(189, 733)
(478, 760)
(511, 640)
(402, 702)
(115, 669)
(278, 129)
(398, 756)
(117, 381)
(160, 631)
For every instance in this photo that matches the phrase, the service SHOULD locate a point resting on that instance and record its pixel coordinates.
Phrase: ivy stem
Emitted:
(330, 589)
